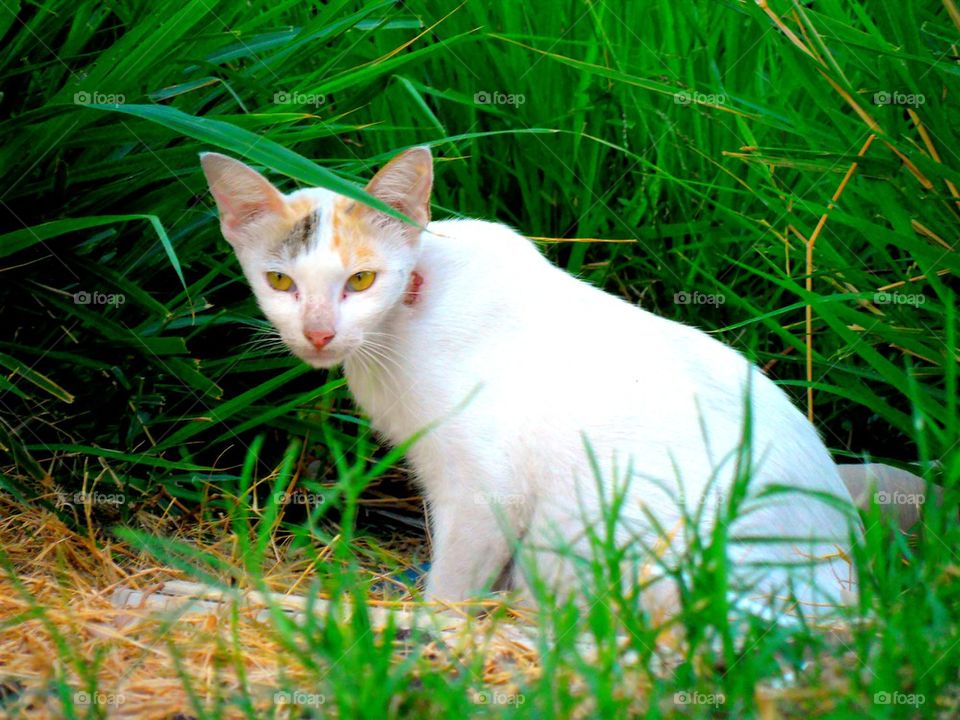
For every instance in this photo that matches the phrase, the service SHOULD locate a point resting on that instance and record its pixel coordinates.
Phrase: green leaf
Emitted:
(253, 148)
(19, 368)
(19, 239)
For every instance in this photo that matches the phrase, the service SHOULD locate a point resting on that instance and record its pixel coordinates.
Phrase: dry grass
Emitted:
(96, 619)
(78, 601)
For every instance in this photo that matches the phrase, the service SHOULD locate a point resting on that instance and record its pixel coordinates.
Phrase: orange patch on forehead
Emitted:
(351, 234)
(336, 220)
(299, 207)
(301, 219)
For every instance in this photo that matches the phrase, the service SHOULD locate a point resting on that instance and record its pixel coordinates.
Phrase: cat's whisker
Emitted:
(366, 354)
(400, 398)
(383, 356)
(264, 342)
(385, 352)
(390, 349)
(265, 339)
(380, 333)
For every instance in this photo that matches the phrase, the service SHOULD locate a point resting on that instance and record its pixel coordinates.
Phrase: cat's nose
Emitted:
(319, 338)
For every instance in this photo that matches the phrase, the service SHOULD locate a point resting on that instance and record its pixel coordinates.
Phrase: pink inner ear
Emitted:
(247, 200)
(237, 214)
(405, 182)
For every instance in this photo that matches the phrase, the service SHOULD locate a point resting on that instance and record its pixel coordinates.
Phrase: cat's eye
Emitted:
(360, 281)
(279, 281)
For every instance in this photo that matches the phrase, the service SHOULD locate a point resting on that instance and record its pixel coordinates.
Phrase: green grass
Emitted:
(699, 131)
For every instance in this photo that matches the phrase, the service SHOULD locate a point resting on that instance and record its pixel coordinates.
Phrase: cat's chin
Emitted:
(321, 359)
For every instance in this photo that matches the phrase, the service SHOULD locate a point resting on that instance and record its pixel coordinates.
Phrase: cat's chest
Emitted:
(390, 396)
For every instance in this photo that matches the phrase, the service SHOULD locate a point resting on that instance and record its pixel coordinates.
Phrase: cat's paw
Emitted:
(440, 592)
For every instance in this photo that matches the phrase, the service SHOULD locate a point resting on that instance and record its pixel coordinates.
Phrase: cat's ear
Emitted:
(405, 182)
(245, 198)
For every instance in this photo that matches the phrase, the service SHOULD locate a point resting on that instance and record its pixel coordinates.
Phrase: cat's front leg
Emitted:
(471, 548)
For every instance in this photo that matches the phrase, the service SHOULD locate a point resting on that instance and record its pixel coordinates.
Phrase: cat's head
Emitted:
(326, 270)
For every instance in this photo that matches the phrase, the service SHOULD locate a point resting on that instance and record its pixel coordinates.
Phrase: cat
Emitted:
(547, 403)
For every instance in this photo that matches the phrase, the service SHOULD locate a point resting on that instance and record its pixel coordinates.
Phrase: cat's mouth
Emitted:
(326, 358)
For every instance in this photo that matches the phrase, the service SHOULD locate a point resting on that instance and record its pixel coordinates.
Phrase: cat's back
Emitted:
(475, 253)
(487, 268)
(492, 289)
(485, 287)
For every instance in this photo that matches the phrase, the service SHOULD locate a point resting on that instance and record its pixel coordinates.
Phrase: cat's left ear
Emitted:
(405, 183)
(246, 199)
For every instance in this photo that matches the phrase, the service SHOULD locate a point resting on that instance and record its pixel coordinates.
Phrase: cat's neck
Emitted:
(364, 363)
(377, 365)
(378, 376)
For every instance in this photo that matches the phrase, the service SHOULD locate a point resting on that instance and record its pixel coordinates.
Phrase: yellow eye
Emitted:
(279, 281)
(360, 281)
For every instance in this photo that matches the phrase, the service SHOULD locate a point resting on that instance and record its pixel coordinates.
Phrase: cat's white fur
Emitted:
(521, 374)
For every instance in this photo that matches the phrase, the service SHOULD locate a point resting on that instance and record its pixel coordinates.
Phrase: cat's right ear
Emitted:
(245, 198)
(405, 183)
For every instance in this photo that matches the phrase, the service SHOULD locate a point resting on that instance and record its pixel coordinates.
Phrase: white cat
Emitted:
(545, 399)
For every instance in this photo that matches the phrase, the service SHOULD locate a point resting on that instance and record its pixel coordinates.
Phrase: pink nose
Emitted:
(319, 338)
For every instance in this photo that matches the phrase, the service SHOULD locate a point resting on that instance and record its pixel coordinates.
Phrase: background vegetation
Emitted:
(707, 138)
